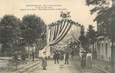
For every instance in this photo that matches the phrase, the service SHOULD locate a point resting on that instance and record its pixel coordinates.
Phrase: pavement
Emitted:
(27, 67)
(97, 66)
(102, 66)
(72, 67)
(59, 68)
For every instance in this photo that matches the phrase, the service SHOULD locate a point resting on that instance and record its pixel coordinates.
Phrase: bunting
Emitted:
(58, 30)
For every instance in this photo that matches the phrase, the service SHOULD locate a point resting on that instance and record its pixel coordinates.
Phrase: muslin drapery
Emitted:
(58, 30)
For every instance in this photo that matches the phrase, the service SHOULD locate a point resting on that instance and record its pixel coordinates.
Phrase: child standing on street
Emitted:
(44, 62)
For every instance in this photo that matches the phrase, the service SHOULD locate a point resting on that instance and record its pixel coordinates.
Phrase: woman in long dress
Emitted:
(89, 60)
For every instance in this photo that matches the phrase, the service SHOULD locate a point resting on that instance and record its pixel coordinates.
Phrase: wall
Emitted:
(103, 48)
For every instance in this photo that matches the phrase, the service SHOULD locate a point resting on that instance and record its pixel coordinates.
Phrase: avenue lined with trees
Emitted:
(26, 36)
(16, 34)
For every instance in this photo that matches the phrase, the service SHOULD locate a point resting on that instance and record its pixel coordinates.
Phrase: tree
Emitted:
(8, 33)
(83, 39)
(105, 13)
(32, 29)
(91, 34)
(106, 17)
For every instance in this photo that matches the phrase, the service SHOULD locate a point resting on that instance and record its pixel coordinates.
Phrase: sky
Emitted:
(79, 10)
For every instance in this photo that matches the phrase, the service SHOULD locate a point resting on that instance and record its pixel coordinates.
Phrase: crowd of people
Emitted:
(61, 56)
(57, 57)
(85, 58)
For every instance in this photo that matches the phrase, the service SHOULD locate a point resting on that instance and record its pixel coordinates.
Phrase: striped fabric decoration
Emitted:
(58, 30)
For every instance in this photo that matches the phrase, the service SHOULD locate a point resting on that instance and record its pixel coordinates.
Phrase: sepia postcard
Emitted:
(57, 36)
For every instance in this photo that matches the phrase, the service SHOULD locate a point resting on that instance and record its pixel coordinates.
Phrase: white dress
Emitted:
(89, 60)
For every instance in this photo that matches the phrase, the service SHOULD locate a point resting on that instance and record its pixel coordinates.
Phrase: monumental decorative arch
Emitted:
(58, 30)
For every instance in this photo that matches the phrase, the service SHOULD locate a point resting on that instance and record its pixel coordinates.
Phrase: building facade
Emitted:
(103, 48)
(103, 44)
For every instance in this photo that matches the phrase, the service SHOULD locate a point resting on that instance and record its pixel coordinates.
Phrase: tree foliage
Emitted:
(91, 34)
(8, 31)
(105, 15)
(15, 32)
(83, 39)
(32, 28)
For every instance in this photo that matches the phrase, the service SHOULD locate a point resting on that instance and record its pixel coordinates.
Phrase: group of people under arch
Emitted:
(61, 55)
(57, 57)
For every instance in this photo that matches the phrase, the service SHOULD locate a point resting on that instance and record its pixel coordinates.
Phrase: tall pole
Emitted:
(113, 45)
